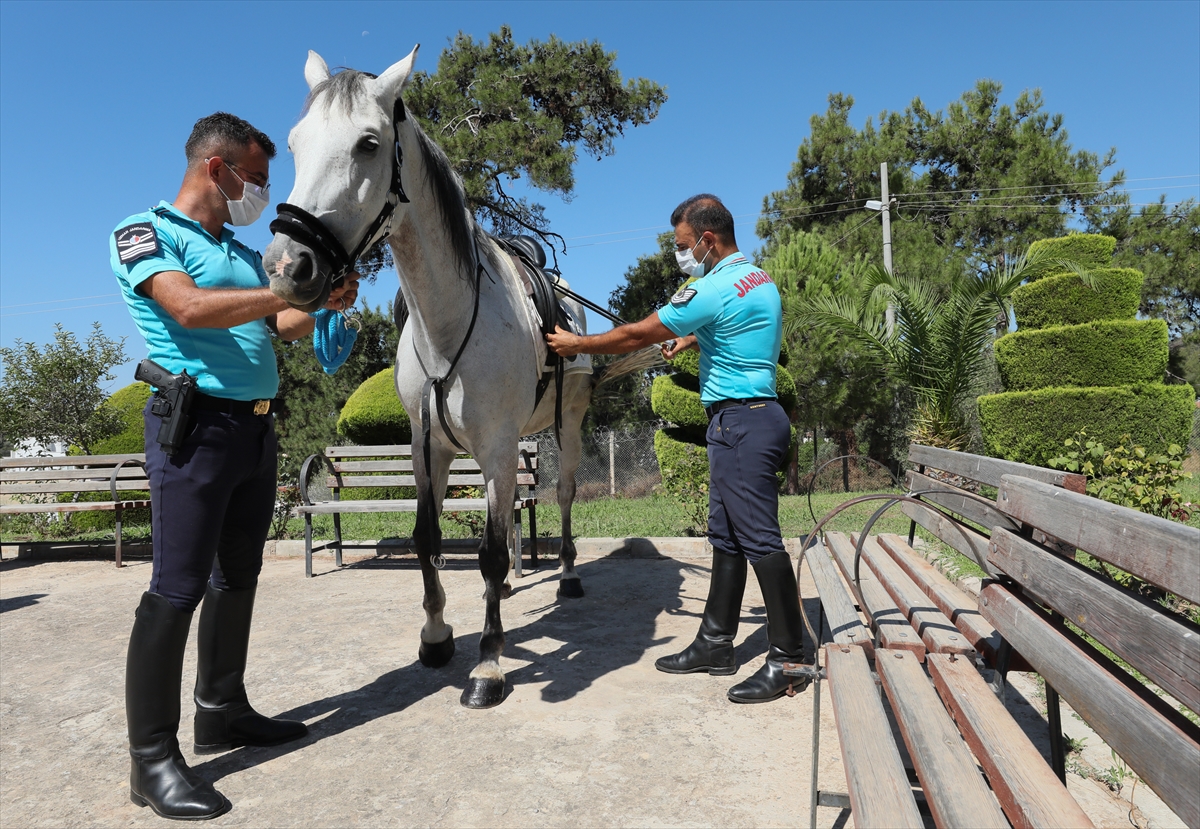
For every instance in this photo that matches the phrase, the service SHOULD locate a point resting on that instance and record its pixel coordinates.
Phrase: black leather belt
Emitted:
(238, 407)
(712, 410)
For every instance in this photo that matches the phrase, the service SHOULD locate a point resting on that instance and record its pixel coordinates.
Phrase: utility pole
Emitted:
(884, 206)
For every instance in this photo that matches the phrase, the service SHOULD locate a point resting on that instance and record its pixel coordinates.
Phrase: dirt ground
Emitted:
(590, 733)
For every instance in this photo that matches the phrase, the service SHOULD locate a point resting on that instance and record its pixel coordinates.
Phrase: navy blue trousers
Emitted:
(746, 446)
(212, 503)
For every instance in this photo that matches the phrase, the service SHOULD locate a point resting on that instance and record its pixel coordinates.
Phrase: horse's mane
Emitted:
(343, 88)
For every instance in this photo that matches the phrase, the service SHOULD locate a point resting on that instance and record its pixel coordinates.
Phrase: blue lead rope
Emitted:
(333, 339)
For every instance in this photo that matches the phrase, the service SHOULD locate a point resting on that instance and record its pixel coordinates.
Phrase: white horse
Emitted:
(471, 353)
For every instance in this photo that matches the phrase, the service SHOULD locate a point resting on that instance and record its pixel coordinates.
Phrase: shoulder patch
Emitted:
(135, 241)
(683, 295)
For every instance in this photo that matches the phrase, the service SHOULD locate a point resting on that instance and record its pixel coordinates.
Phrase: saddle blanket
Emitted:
(576, 324)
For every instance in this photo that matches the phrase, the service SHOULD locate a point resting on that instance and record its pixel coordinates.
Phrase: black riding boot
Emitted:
(158, 776)
(785, 632)
(224, 718)
(712, 649)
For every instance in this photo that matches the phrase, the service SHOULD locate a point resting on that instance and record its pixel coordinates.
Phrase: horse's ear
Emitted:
(315, 70)
(392, 82)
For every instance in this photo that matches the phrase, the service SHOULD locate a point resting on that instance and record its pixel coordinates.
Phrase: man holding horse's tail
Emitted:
(732, 314)
(200, 300)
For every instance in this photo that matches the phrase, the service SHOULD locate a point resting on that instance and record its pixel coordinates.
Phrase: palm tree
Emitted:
(939, 341)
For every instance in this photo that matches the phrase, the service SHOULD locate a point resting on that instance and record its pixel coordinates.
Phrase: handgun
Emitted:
(172, 401)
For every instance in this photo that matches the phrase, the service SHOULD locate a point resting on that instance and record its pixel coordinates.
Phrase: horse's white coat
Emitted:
(343, 151)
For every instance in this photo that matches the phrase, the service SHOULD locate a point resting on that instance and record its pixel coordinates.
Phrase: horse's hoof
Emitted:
(570, 589)
(436, 654)
(483, 693)
(506, 591)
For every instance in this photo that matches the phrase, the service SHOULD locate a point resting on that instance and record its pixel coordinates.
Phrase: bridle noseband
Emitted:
(305, 228)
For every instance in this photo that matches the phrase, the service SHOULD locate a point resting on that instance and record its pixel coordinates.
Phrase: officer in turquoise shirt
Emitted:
(199, 298)
(732, 314)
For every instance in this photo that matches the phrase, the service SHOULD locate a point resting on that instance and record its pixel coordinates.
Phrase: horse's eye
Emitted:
(368, 144)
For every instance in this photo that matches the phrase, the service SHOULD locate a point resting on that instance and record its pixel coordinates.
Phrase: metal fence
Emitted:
(615, 462)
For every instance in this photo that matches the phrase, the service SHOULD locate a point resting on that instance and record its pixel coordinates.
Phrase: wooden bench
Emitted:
(353, 468)
(950, 721)
(47, 479)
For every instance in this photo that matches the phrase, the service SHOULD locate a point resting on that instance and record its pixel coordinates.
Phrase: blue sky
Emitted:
(97, 99)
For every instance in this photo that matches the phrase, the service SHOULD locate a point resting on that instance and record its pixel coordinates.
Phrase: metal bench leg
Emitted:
(1058, 758)
(816, 751)
(517, 544)
(308, 545)
(533, 538)
(337, 534)
(117, 510)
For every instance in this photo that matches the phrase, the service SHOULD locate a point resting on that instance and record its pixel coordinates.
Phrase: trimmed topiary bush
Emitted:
(1105, 353)
(1032, 426)
(1097, 373)
(131, 440)
(374, 415)
(1065, 300)
(1086, 249)
(675, 398)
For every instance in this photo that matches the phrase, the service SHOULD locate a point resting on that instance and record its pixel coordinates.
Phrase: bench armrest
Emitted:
(112, 481)
(316, 457)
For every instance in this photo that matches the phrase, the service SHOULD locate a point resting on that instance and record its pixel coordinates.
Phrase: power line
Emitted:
(59, 301)
(56, 310)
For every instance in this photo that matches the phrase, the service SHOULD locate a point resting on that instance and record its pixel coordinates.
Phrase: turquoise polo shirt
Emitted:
(236, 363)
(737, 318)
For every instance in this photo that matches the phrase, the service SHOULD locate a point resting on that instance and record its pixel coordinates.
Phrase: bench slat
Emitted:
(958, 535)
(892, 627)
(958, 607)
(13, 476)
(400, 465)
(80, 506)
(877, 783)
(989, 470)
(954, 788)
(1162, 552)
(388, 450)
(1028, 790)
(1162, 647)
(351, 481)
(402, 505)
(54, 487)
(1159, 744)
(936, 630)
(957, 502)
(72, 460)
(844, 622)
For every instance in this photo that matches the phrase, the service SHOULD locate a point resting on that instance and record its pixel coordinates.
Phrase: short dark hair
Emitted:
(222, 133)
(705, 212)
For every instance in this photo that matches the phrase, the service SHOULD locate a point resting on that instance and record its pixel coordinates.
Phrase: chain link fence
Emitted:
(615, 462)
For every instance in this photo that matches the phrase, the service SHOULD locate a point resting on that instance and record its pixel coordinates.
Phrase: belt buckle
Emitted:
(262, 407)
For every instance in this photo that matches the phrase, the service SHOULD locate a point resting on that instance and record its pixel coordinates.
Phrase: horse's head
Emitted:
(346, 165)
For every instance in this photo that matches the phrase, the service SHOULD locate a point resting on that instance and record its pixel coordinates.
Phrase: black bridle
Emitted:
(305, 228)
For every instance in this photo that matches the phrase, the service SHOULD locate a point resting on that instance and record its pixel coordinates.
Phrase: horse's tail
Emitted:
(648, 357)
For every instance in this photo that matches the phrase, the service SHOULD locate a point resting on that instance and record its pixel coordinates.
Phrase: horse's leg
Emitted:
(437, 637)
(485, 688)
(578, 395)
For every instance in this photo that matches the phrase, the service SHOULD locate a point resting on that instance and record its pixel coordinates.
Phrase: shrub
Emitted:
(1065, 300)
(1086, 249)
(1032, 426)
(1107, 353)
(374, 415)
(128, 403)
(673, 401)
(1128, 475)
(685, 475)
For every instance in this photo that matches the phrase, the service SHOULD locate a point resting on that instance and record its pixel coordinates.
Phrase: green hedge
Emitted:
(672, 445)
(1064, 299)
(1030, 426)
(687, 362)
(1086, 249)
(673, 401)
(1106, 353)
(373, 414)
(129, 402)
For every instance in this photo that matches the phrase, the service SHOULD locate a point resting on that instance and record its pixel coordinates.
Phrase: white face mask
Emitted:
(247, 209)
(687, 261)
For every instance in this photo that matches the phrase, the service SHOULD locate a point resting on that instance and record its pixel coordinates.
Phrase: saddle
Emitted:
(529, 257)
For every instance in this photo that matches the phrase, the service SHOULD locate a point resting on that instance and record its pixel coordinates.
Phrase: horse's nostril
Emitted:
(302, 269)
